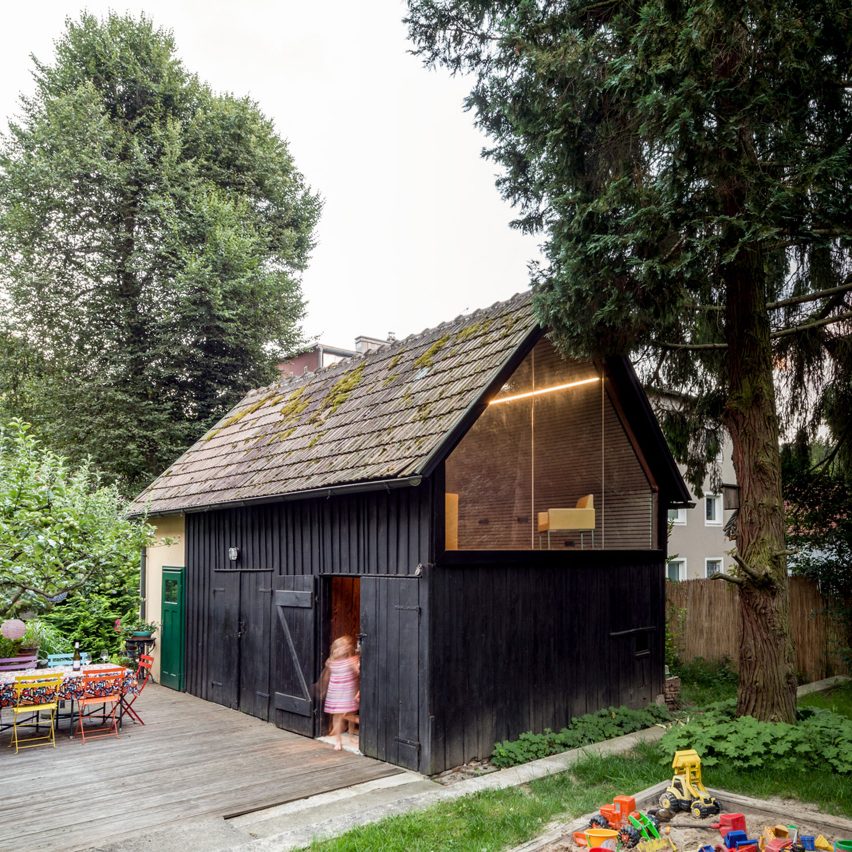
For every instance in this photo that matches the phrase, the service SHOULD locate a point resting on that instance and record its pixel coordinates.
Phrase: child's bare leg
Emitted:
(337, 731)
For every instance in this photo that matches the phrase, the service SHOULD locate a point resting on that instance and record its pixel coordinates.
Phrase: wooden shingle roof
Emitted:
(379, 416)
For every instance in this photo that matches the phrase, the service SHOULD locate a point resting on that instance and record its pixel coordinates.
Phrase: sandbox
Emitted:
(689, 834)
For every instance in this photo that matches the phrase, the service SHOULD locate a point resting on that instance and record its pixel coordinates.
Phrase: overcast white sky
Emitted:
(413, 231)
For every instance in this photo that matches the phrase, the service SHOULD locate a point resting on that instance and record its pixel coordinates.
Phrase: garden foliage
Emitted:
(65, 544)
(821, 741)
(583, 730)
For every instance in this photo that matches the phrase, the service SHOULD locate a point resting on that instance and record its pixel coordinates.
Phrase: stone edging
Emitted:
(821, 685)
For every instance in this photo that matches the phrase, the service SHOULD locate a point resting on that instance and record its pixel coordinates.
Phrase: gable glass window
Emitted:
(712, 566)
(713, 509)
(678, 517)
(549, 465)
(676, 570)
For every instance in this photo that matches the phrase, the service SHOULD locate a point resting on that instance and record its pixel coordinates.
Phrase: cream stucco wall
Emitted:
(168, 550)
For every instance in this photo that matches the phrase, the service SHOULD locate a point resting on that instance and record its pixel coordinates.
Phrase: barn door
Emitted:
(255, 616)
(293, 663)
(223, 639)
(390, 666)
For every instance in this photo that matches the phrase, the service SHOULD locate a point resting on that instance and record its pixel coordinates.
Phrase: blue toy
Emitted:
(734, 838)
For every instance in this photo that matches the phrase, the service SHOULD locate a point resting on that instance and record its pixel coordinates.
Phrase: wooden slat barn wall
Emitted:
(385, 533)
(524, 645)
(375, 532)
(705, 619)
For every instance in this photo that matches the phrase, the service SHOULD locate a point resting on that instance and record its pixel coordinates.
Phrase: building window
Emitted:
(713, 566)
(676, 569)
(534, 472)
(713, 510)
(677, 517)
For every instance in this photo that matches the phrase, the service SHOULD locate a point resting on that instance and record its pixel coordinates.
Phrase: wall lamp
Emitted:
(545, 390)
(233, 553)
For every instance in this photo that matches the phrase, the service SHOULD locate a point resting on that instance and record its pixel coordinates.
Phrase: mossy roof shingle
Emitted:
(372, 417)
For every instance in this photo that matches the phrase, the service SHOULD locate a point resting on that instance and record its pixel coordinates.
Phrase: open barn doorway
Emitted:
(343, 618)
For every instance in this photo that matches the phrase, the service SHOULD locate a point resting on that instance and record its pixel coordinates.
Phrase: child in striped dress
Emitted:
(342, 695)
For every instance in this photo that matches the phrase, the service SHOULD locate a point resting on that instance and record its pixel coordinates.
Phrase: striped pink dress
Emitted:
(342, 686)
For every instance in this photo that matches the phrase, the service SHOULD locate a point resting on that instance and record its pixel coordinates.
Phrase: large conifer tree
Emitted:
(688, 162)
(152, 236)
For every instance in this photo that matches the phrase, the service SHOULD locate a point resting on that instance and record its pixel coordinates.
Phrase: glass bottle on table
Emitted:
(76, 660)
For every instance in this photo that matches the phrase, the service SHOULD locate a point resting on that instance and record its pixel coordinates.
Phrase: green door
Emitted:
(172, 633)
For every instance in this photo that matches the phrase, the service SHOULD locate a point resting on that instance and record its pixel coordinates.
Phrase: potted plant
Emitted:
(44, 637)
(143, 629)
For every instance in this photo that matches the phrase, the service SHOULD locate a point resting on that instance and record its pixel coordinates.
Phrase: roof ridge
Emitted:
(389, 348)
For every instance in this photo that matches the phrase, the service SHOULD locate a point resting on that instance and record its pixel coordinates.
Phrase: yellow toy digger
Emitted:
(686, 792)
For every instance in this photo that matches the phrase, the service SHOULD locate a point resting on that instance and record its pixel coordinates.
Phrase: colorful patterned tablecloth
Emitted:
(72, 683)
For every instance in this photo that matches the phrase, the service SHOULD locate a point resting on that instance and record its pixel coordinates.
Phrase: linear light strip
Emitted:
(544, 390)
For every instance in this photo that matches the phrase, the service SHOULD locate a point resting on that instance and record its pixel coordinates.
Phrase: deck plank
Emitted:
(191, 759)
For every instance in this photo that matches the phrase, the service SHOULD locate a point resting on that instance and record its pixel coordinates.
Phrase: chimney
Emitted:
(364, 344)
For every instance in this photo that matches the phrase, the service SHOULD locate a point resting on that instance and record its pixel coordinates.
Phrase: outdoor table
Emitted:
(72, 685)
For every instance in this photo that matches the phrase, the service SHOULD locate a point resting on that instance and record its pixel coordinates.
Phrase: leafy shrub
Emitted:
(90, 616)
(701, 672)
(706, 681)
(583, 730)
(820, 740)
(46, 637)
(8, 647)
(62, 532)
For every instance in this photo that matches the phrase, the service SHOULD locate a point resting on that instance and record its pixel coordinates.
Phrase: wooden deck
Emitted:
(191, 759)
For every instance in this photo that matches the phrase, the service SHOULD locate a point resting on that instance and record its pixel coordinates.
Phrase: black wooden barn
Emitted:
(489, 518)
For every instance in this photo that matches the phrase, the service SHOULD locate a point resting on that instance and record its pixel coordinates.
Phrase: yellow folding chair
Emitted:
(35, 694)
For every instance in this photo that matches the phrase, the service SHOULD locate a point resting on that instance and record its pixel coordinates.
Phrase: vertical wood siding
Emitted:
(384, 533)
(519, 646)
(371, 533)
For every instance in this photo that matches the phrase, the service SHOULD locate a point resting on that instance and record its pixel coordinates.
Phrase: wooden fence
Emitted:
(703, 616)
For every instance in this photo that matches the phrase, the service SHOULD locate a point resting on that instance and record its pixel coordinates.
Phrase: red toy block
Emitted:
(730, 822)
(777, 845)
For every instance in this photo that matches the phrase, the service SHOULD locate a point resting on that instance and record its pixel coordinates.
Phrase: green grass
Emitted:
(497, 819)
(838, 699)
(500, 819)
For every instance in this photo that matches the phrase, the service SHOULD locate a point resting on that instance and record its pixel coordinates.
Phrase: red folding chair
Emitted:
(101, 687)
(143, 674)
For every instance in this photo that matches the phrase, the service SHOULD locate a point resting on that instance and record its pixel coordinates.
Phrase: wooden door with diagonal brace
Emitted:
(294, 646)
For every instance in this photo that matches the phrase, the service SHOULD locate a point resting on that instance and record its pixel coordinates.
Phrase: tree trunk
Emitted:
(767, 688)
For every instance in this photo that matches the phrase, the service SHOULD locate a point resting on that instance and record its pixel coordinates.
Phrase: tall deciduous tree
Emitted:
(689, 164)
(152, 236)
